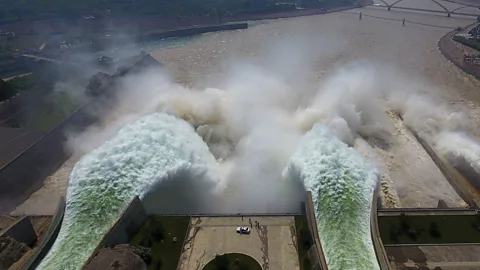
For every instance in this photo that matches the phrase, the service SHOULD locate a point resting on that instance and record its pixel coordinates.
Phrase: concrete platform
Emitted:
(274, 245)
(462, 257)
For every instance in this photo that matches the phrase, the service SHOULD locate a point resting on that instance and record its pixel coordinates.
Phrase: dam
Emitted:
(421, 232)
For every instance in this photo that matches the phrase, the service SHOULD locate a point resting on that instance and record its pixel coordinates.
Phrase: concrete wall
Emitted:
(461, 185)
(25, 174)
(126, 226)
(48, 239)
(374, 230)
(315, 253)
(22, 231)
(194, 31)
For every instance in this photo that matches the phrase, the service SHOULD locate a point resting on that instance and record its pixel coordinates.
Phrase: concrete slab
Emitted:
(273, 244)
(460, 257)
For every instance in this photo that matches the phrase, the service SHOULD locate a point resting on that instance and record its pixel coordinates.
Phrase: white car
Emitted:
(243, 230)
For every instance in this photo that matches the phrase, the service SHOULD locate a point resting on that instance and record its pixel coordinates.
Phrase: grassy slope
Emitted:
(304, 241)
(429, 229)
(157, 234)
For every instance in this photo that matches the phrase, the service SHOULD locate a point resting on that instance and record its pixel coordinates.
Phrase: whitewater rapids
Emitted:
(342, 183)
(153, 149)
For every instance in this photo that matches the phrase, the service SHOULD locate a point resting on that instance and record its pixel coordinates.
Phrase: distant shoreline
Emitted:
(157, 24)
(239, 21)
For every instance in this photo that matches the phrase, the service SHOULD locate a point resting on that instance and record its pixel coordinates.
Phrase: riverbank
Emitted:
(192, 31)
(157, 23)
(454, 52)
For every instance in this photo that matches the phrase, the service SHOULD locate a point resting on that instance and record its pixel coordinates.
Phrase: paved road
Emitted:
(17, 76)
(273, 245)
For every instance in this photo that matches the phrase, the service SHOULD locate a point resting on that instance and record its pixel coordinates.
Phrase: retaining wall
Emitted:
(22, 231)
(461, 185)
(315, 253)
(48, 239)
(25, 173)
(374, 230)
(194, 31)
(126, 226)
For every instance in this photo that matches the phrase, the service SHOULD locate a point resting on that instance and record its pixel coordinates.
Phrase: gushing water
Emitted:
(155, 148)
(459, 145)
(342, 185)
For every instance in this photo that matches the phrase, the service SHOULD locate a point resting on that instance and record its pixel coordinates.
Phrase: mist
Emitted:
(253, 113)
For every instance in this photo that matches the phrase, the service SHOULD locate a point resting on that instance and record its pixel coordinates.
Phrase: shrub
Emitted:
(144, 253)
(468, 42)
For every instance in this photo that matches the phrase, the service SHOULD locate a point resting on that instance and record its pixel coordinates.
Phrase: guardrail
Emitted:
(376, 239)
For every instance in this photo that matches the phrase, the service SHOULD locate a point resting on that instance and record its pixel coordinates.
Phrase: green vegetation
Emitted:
(429, 229)
(15, 86)
(160, 240)
(233, 261)
(46, 107)
(51, 110)
(475, 44)
(305, 241)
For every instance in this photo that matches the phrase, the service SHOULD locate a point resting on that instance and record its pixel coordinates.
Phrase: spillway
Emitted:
(142, 155)
(342, 184)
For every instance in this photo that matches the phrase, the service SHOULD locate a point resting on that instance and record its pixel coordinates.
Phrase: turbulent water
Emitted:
(155, 148)
(342, 185)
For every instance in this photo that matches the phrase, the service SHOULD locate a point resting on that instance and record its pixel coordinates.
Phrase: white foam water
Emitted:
(153, 149)
(459, 144)
(342, 183)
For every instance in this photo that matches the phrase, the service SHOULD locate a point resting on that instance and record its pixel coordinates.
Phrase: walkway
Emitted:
(273, 245)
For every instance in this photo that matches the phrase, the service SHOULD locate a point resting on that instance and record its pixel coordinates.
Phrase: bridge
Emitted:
(444, 11)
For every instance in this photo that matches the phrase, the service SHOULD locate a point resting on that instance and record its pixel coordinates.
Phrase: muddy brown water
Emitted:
(339, 39)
